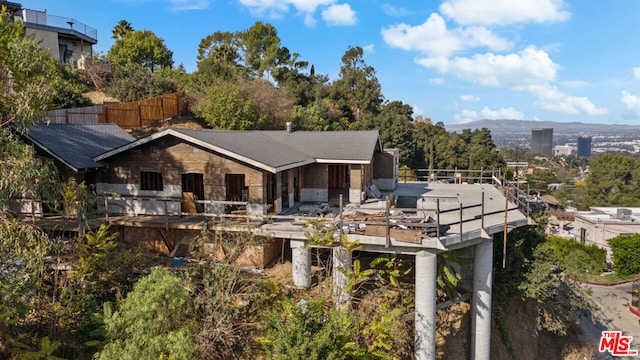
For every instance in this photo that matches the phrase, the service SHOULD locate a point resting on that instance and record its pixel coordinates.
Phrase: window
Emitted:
(150, 180)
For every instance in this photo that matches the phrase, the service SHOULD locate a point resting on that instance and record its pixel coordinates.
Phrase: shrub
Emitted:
(626, 254)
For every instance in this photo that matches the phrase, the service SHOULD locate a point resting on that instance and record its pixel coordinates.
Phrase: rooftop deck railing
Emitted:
(43, 18)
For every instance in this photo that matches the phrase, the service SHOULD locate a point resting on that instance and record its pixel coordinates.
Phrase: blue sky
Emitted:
(452, 60)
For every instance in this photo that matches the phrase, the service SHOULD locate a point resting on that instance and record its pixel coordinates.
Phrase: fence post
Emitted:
(139, 115)
(106, 209)
(460, 222)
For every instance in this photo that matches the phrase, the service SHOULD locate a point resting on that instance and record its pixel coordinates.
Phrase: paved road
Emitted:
(612, 315)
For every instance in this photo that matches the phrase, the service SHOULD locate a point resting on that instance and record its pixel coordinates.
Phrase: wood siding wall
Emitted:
(172, 157)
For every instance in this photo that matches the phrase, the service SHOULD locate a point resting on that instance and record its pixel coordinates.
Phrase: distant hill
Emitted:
(499, 127)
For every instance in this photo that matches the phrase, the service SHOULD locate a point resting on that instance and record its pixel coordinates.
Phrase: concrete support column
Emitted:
(301, 263)
(426, 268)
(341, 262)
(481, 302)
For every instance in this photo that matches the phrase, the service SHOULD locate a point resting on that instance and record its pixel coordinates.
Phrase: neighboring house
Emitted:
(603, 223)
(67, 39)
(73, 147)
(271, 170)
(561, 224)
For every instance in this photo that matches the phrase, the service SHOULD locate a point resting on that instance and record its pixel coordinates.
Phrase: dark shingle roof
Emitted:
(76, 145)
(278, 150)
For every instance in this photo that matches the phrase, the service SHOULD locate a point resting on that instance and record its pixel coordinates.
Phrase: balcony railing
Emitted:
(42, 18)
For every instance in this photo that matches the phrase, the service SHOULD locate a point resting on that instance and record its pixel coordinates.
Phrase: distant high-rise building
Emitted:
(584, 146)
(542, 141)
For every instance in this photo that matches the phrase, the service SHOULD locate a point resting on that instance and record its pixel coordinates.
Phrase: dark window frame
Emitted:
(151, 180)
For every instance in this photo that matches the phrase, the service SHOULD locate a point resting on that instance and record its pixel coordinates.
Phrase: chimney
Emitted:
(289, 126)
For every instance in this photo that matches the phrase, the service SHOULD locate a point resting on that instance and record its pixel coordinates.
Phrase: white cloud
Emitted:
(530, 71)
(339, 15)
(369, 49)
(530, 66)
(552, 99)
(575, 84)
(433, 38)
(636, 73)
(504, 12)
(332, 13)
(268, 8)
(308, 5)
(309, 20)
(502, 113)
(631, 101)
(469, 97)
(436, 81)
(466, 116)
(395, 11)
(184, 5)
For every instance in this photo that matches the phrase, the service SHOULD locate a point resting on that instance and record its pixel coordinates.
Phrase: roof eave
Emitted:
(343, 161)
(187, 138)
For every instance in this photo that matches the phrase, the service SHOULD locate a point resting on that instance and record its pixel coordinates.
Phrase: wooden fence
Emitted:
(144, 112)
(129, 115)
(83, 115)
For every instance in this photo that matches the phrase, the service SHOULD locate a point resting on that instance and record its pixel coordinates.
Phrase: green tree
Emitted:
(560, 301)
(613, 181)
(133, 82)
(69, 89)
(228, 105)
(394, 122)
(28, 76)
(155, 320)
(262, 51)
(626, 254)
(142, 47)
(219, 56)
(122, 28)
(357, 86)
(306, 330)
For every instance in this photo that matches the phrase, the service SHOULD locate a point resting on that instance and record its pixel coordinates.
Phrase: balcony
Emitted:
(63, 25)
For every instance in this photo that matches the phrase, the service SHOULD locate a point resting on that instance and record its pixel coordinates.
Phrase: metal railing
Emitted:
(451, 176)
(43, 18)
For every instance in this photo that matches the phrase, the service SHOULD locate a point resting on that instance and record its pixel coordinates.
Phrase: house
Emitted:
(72, 147)
(600, 224)
(68, 39)
(269, 170)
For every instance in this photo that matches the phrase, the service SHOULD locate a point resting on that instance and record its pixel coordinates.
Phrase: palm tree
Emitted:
(121, 29)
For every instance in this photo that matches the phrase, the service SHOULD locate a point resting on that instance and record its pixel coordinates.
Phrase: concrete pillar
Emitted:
(341, 262)
(301, 264)
(426, 268)
(481, 302)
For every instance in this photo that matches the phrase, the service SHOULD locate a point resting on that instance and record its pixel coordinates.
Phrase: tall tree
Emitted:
(357, 85)
(28, 80)
(122, 28)
(219, 56)
(28, 76)
(396, 129)
(262, 52)
(613, 181)
(141, 47)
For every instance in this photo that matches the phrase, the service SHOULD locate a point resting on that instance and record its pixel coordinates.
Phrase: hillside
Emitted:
(525, 126)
